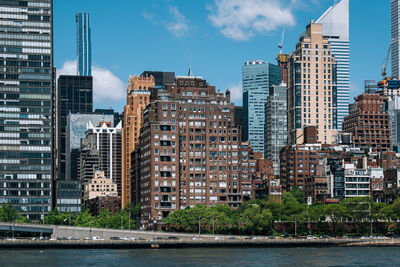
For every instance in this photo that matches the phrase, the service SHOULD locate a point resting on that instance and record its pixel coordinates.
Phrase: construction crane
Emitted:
(385, 79)
(385, 64)
(280, 44)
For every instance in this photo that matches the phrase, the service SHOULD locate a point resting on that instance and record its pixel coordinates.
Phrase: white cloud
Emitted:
(106, 86)
(236, 93)
(242, 19)
(180, 24)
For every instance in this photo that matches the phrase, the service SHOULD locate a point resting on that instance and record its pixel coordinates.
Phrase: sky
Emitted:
(214, 37)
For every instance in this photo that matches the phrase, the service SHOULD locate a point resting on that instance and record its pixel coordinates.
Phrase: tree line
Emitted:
(292, 215)
(124, 219)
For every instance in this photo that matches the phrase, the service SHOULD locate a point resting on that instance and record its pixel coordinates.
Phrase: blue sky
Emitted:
(216, 36)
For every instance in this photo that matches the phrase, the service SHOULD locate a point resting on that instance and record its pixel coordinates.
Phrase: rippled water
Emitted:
(366, 256)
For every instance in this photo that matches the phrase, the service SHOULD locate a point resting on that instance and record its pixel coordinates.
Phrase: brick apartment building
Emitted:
(299, 161)
(369, 123)
(189, 150)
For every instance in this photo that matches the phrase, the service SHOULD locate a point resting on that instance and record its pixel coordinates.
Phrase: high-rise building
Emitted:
(392, 106)
(106, 140)
(84, 44)
(335, 27)
(138, 96)
(189, 150)
(26, 104)
(275, 124)
(257, 77)
(368, 123)
(76, 128)
(74, 95)
(312, 91)
(395, 36)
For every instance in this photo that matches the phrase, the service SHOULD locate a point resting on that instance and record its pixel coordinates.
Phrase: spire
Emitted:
(190, 74)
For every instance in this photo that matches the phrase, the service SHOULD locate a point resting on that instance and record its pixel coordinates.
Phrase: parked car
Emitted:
(173, 238)
(97, 238)
(311, 237)
(115, 238)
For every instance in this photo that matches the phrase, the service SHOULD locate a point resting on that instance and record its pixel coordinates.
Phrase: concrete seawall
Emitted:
(133, 244)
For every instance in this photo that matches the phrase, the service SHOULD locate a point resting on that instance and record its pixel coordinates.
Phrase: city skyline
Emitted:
(194, 34)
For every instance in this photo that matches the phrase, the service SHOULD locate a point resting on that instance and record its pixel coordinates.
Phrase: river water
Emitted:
(360, 256)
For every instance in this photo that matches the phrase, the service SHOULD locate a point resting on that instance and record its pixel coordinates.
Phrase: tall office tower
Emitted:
(312, 97)
(257, 77)
(335, 27)
(275, 124)
(189, 150)
(26, 103)
(395, 36)
(368, 123)
(84, 45)
(74, 95)
(106, 140)
(138, 96)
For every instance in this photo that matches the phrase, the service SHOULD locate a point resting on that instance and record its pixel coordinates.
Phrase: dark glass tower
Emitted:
(84, 44)
(75, 95)
(26, 102)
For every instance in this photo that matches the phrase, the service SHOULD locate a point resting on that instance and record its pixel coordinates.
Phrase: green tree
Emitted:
(9, 214)
(257, 220)
(84, 218)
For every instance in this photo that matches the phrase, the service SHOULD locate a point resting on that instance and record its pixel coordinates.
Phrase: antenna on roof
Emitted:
(190, 74)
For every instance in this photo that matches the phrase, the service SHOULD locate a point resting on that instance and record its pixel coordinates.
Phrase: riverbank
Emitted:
(133, 244)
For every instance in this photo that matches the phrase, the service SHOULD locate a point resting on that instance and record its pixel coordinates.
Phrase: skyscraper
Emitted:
(84, 44)
(26, 102)
(395, 36)
(312, 97)
(257, 77)
(335, 27)
(106, 140)
(138, 96)
(275, 124)
(75, 95)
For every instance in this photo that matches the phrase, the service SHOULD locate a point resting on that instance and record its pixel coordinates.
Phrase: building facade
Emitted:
(312, 89)
(368, 123)
(74, 95)
(99, 186)
(138, 96)
(76, 128)
(26, 104)
(335, 27)
(84, 44)
(299, 161)
(106, 140)
(189, 150)
(275, 124)
(257, 77)
(395, 36)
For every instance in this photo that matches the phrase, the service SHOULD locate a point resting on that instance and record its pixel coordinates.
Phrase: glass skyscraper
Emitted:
(275, 124)
(84, 44)
(257, 77)
(395, 36)
(26, 103)
(335, 27)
